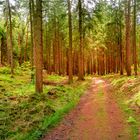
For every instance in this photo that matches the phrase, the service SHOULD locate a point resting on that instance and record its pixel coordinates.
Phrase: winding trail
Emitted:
(96, 117)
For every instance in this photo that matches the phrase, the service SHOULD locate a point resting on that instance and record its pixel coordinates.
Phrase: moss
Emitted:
(135, 100)
(26, 115)
(54, 78)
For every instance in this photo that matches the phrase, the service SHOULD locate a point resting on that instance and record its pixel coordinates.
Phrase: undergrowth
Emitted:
(26, 115)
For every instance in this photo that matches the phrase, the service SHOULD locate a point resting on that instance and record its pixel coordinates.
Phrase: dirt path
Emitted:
(97, 117)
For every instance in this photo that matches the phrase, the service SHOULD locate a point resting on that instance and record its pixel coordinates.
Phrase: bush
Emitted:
(5, 70)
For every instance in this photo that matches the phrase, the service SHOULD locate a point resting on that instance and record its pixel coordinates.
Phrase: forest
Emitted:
(69, 69)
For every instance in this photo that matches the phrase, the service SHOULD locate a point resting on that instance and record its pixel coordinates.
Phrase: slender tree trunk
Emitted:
(55, 48)
(120, 41)
(49, 59)
(7, 43)
(11, 38)
(32, 41)
(0, 53)
(63, 58)
(26, 46)
(59, 53)
(134, 39)
(67, 62)
(80, 67)
(70, 42)
(128, 47)
(19, 47)
(121, 56)
(38, 47)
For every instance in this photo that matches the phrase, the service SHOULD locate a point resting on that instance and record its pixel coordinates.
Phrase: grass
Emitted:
(135, 100)
(126, 93)
(26, 115)
(131, 119)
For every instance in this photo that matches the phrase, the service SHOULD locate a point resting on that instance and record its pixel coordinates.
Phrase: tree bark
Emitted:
(31, 10)
(38, 47)
(120, 41)
(11, 39)
(0, 53)
(26, 46)
(128, 47)
(80, 67)
(134, 39)
(70, 42)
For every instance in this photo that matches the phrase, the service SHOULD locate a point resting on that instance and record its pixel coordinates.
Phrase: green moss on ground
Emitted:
(26, 115)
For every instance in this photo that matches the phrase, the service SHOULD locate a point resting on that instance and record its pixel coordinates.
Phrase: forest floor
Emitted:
(105, 108)
(26, 115)
(100, 115)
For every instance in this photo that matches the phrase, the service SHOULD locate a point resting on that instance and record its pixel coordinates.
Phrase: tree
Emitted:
(0, 49)
(120, 39)
(128, 47)
(1, 40)
(10, 38)
(134, 38)
(31, 10)
(70, 42)
(80, 67)
(38, 46)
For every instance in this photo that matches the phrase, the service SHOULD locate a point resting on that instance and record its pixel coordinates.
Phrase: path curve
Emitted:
(96, 117)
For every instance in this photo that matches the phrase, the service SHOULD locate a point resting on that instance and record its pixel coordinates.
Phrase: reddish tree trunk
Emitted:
(128, 47)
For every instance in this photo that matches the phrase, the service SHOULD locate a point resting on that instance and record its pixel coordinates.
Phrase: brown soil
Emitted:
(96, 117)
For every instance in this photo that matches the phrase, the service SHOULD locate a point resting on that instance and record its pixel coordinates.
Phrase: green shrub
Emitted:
(5, 70)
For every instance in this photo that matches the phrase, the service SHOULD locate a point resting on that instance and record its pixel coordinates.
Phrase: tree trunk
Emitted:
(70, 43)
(26, 46)
(0, 53)
(80, 67)
(128, 47)
(134, 39)
(11, 39)
(38, 46)
(31, 8)
(120, 42)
